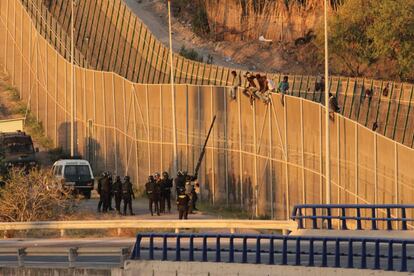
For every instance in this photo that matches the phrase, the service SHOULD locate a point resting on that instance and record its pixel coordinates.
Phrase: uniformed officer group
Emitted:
(157, 189)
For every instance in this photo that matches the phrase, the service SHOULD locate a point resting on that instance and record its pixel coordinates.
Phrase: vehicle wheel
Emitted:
(87, 194)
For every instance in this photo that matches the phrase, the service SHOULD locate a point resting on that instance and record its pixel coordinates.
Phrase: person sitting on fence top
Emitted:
(333, 106)
(283, 88)
(236, 84)
(271, 86)
(251, 87)
(262, 93)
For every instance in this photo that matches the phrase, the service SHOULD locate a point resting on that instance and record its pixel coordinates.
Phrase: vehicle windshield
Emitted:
(77, 173)
(18, 145)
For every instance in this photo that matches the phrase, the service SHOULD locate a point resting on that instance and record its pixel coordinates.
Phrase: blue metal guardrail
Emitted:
(325, 211)
(363, 253)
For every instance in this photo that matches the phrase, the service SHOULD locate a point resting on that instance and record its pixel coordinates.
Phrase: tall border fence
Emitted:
(263, 158)
(110, 37)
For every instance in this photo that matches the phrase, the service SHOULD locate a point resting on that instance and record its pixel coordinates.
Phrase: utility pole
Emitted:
(327, 134)
(72, 86)
(175, 161)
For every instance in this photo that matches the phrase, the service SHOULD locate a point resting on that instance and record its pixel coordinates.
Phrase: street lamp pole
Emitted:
(327, 133)
(72, 86)
(175, 161)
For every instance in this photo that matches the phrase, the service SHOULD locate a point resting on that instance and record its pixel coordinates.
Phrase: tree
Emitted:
(33, 196)
(349, 43)
(392, 33)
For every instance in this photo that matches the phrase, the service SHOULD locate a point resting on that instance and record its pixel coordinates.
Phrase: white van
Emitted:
(76, 174)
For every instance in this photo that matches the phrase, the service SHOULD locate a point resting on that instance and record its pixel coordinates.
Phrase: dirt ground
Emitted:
(274, 57)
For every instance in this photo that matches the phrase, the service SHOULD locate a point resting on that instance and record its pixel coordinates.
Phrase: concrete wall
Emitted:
(160, 268)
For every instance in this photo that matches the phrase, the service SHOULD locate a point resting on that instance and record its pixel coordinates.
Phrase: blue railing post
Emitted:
(329, 213)
(403, 219)
(164, 248)
(258, 256)
(377, 255)
(244, 253)
(151, 247)
(284, 251)
(218, 249)
(324, 253)
(350, 254)
(191, 249)
(337, 253)
(359, 227)
(297, 256)
(178, 249)
(403, 256)
(343, 219)
(389, 222)
(271, 251)
(204, 249)
(364, 255)
(314, 221)
(374, 219)
(137, 249)
(311, 254)
(390, 263)
(231, 250)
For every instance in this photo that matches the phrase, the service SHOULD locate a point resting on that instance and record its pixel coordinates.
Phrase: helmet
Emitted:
(150, 178)
(181, 190)
(165, 175)
(180, 173)
(185, 172)
(126, 178)
(156, 175)
(118, 178)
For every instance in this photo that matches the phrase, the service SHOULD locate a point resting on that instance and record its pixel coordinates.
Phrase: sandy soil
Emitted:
(254, 55)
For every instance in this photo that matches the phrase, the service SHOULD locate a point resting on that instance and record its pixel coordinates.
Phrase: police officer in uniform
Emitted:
(150, 190)
(127, 195)
(99, 190)
(183, 201)
(157, 191)
(190, 191)
(111, 192)
(179, 182)
(166, 185)
(117, 191)
(105, 191)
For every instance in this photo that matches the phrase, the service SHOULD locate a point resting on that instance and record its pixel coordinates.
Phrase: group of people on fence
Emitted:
(158, 189)
(261, 86)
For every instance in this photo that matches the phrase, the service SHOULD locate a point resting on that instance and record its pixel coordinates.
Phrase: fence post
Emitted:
(364, 254)
(178, 249)
(329, 213)
(359, 227)
(350, 254)
(125, 252)
(164, 248)
(343, 219)
(337, 253)
(137, 248)
(244, 253)
(21, 253)
(204, 249)
(191, 249)
(390, 262)
(324, 253)
(389, 222)
(231, 249)
(314, 220)
(403, 219)
(284, 251)
(151, 247)
(377, 255)
(311, 253)
(271, 251)
(258, 256)
(373, 219)
(218, 249)
(297, 257)
(403, 256)
(73, 253)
